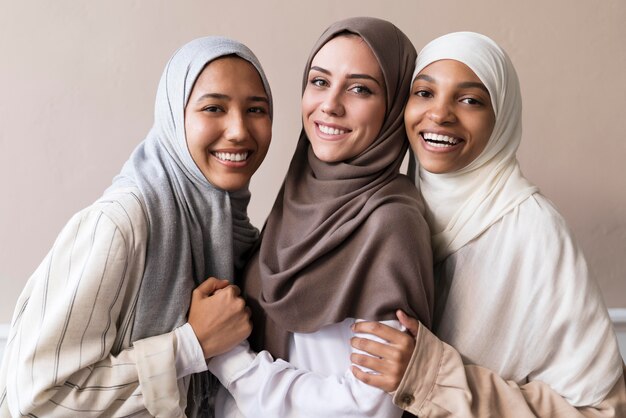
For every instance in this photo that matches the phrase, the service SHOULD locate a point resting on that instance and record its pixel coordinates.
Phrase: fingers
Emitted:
(220, 320)
(209, 286)
(411, 324)
(235, 291)
(371, 347)
(372, 379)
(382, 331)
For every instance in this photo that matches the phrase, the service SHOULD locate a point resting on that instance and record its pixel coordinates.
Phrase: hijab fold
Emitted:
(195, 229)
(347, 239)
(463, 204)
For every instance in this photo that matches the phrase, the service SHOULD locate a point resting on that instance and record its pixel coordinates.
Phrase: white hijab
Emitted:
(528, 312)
(463, 204)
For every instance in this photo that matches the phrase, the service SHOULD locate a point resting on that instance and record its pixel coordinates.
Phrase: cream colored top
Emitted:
(519, 303)
(69, 351)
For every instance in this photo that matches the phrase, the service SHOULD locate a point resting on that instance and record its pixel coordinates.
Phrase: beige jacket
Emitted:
(69, 351)
(438, 384)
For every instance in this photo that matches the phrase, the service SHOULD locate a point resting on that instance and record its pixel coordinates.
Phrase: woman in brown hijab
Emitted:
(340, 242)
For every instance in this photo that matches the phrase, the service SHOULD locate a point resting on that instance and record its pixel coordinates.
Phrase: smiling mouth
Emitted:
(234, 157)
(331, 131)
(440, 141)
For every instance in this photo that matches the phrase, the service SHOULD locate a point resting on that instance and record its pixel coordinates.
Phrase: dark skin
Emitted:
(390, 360)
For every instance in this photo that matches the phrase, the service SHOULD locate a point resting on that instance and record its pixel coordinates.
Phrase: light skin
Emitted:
(343, 105)
(448, 117)
(447, 99)
(228, 131)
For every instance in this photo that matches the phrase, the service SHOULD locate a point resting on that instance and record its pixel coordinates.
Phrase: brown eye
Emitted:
(319, 82)
(423, 93)
(362, 90)
(471, 101)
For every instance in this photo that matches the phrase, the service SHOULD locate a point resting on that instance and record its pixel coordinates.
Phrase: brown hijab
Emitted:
(348, 239)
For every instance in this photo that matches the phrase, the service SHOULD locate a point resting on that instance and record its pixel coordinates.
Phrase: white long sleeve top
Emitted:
(316, 382)
(520, 301)
(69, 350)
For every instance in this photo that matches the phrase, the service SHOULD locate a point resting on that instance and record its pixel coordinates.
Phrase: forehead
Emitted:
(349, 53)
(229, 72)
(449, 70)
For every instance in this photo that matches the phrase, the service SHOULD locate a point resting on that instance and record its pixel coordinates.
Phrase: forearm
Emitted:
(264, 387)
(438, 384)
(134, 380)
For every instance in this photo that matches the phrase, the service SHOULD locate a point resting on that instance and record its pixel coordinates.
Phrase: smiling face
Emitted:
(343, 105)
(227, 122)
(449, 116)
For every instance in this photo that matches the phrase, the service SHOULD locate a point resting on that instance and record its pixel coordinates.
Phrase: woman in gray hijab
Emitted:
(101, 327)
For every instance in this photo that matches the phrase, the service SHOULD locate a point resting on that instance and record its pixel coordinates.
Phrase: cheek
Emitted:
(191, 131)
(484, 131)
(412, 113)
(307, 103)
(263, 134)
(372, 117)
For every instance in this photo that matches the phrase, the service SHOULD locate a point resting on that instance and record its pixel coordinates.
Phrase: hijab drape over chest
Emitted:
(195, 229)
(346, 239)
(514, 293)
(463, 204)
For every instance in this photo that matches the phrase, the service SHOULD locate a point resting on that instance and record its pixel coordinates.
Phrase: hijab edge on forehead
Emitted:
(463, 204)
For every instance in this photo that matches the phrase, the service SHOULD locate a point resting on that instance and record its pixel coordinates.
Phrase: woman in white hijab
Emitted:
(520, 327)
(101, 327)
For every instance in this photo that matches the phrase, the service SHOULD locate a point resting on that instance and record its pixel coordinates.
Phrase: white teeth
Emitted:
(331, 131)
(442, 140)
(231, 156)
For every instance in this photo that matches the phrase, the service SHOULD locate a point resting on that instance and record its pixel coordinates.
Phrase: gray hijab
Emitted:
(195, 229)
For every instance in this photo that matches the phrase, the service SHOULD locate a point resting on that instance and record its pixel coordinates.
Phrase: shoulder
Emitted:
(397, 212)
(538, 221)
(120, 211)
(399, 196)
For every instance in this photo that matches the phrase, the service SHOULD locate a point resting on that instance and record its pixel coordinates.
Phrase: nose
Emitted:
(237, 130)
(332, 104)
(441, 112)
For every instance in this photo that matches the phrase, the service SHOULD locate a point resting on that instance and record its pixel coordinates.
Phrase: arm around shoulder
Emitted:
(438, 384)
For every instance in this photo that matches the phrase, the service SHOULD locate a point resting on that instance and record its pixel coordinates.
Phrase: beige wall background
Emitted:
(78, 80)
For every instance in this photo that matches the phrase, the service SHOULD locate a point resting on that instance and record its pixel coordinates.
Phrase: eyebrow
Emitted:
(350, 76)
(463, 85)
(221, 96)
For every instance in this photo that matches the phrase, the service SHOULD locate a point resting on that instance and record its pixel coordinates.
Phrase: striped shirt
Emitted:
(69, 351)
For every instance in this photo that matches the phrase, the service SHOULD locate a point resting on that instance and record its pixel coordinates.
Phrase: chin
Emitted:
(230, 185)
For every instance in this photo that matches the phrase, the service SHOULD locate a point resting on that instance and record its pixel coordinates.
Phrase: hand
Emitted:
(390, 359)
(218, 316)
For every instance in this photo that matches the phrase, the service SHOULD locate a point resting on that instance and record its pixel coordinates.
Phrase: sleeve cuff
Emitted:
(189, 356)
(155, 357)
(421, 375)
(228, 366)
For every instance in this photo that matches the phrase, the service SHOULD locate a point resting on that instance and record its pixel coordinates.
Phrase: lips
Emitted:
(231, 156)
(440, 140)
(331, 131)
